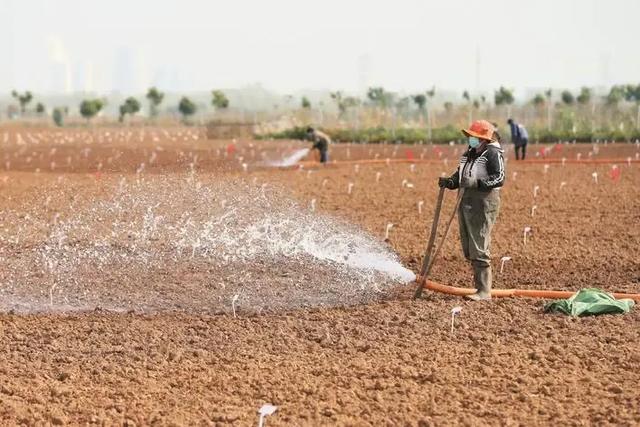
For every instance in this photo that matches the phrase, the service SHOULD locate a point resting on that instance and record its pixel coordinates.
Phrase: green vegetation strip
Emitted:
(447, 134)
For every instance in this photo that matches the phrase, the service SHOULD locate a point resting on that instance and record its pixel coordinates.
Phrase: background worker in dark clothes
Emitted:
(496, 134)
(481, 173)
(321, 142)
(519, 137)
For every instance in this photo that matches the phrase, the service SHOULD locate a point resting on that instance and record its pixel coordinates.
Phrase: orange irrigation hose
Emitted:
(502, 293)
(578, 162)
(530, 161)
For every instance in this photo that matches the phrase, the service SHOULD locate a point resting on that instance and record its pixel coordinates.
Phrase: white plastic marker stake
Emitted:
(407, 184)
(387, 230)
(378, 175)
(420, 204)
(233, 303)
(527, 231)
(595, 176)
(245, 167)
(502, 261)
(546, 168)
(412, 168)
(637, 156)
(628, 161)
(454, 312)
(264, 412)
(514, 175)
(51, 289)
(535, 191)
(578, 156)
(564, 160)
(562, 184)
(356, 168)
(533, 210)
(313, 205)
(446, 162)
(350, 188)
(388, 161)
(324, 182)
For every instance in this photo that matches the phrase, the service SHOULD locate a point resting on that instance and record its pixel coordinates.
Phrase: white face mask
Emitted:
(474, 142)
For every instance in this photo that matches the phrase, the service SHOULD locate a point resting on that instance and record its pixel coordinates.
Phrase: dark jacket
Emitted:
(519, 135)
(515, 132)
(486, 169)
(320, 141)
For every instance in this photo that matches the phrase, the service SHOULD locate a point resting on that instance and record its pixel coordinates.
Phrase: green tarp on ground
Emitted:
(590, 302)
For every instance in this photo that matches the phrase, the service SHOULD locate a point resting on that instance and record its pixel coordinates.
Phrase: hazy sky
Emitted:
(289, 45)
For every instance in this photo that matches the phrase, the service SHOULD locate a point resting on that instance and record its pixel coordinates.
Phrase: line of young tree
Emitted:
(89, 108)
(188, 108)
(560, 110)
(383, 104)
(24, 99)
(379, 97)
(563, 115)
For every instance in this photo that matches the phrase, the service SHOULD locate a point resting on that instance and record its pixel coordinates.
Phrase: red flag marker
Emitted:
(615, 172)
(409, 154)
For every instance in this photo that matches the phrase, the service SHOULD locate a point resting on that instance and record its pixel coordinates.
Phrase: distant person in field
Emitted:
(321, 143)
(497, 136)
(480, 173)
(519, 137)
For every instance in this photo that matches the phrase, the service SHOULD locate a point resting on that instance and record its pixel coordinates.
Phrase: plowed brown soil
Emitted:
(387, 360)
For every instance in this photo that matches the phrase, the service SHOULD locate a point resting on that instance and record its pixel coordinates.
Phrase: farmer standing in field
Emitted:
(519, 137)
(480, 174)
(321, 142)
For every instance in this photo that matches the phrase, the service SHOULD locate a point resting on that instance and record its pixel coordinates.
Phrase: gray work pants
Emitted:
(477, 214)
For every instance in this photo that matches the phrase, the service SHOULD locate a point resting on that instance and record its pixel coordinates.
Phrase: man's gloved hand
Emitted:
(444, 182)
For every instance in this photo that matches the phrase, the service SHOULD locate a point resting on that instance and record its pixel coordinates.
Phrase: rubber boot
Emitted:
(482, 280)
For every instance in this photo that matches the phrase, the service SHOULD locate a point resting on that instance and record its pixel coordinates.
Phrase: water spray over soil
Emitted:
(289, 160)
(179, 245)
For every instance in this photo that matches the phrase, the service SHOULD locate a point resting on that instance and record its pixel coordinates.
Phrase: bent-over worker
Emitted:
(480, 173)
(321, 143)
